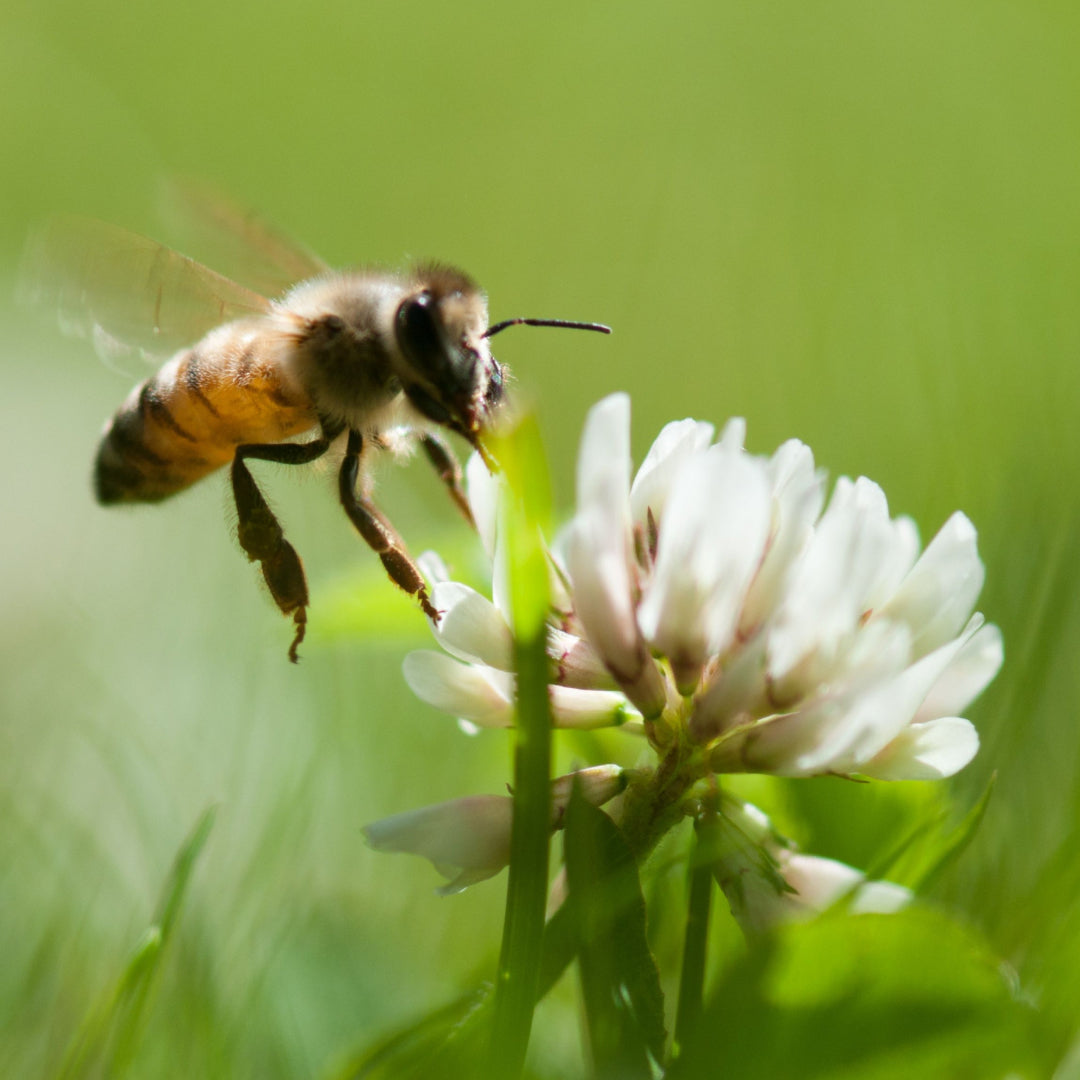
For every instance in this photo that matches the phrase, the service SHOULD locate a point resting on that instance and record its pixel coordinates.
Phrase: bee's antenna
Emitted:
(500, 326)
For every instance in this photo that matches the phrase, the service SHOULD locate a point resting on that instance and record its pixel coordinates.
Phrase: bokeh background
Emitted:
(855, 223)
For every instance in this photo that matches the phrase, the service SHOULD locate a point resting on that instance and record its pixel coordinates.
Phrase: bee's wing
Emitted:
(244, 244)
(120, 288)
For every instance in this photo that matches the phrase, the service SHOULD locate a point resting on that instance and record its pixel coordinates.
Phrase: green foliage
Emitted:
(877, 996)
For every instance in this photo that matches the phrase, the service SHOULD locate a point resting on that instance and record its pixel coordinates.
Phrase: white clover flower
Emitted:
(717, 603)
(468, 839)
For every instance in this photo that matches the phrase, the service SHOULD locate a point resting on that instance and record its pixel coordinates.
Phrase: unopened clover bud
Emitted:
(597, 785)
(468, 839)
(767, 882)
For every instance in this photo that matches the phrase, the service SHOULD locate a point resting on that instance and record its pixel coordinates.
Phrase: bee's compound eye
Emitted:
(418, 330)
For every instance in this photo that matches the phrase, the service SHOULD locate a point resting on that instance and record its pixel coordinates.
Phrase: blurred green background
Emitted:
(855, 223)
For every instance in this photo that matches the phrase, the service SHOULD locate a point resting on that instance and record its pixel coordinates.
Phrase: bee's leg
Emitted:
(449, 469)
(379, 534)
(260, 534)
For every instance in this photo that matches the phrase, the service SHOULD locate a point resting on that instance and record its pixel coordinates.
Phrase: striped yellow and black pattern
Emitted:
(189, 418)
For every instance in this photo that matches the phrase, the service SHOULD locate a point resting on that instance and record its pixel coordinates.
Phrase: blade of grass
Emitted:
(119, 1019)
(521, 454)
(921, 856)
(949, 848)
(428, 1046)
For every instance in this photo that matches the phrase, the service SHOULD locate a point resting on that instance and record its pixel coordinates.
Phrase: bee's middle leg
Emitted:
(377, 532)
(261, 535)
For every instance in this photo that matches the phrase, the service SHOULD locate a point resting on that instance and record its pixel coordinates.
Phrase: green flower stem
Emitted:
(653, 802)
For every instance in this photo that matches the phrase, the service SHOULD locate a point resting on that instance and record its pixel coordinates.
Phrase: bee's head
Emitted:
(449, 373)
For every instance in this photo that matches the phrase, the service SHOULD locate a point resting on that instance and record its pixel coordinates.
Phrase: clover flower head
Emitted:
(718, 603)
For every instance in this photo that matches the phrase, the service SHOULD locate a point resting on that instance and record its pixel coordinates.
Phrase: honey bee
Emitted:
(364, 358)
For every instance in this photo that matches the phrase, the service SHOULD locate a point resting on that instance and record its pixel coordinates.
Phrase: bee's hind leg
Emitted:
(260, 533)
(377, 532)
(449, 469)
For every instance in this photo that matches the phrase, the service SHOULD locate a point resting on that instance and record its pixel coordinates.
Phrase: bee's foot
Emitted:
(300, 620)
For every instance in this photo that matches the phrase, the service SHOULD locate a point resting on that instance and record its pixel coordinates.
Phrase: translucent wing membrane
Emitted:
(117, 287)
(238, 240)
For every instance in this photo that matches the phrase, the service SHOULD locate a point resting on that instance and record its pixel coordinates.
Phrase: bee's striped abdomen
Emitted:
(145, 454)
(187, 420)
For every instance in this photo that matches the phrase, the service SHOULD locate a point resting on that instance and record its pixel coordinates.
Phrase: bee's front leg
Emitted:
(261, 535)
(377, 532)
(449, 469)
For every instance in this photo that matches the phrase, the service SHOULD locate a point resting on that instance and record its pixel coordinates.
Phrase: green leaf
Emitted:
(699, 881)
(624, 1004)
(110, 1033)
(870, 996)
